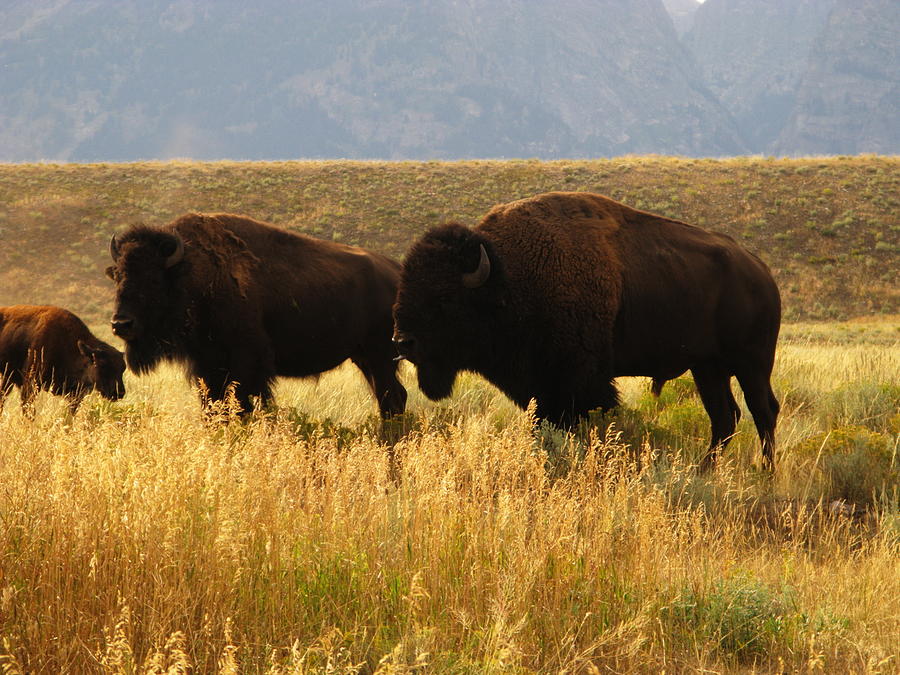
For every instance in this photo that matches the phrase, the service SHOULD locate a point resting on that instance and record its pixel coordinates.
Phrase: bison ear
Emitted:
(111, 272)
(86, 350)
(114, 248)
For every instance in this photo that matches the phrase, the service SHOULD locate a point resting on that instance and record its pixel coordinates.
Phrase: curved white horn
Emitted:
(480, 275)
(178, 254)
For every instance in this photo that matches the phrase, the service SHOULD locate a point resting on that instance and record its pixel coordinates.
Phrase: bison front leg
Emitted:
(74, 400)
(6, 385)
(28, 393)
(567, 405)
(391, 395)
(35, 376)
(242, 382)
(219, 388)
(567, 411)
(381, 374)
(713, 383)
(250, 391)
(253, 375)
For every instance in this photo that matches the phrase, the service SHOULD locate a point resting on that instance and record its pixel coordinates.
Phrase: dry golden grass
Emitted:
(138, 538)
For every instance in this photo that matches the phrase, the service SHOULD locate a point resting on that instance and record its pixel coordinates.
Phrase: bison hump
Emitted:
(229, 259)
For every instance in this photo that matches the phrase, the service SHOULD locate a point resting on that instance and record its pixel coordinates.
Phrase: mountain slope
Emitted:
(103, 80)
(804, 77)
(848, 100)
(682, 13)
(753, 54)
(120, 80)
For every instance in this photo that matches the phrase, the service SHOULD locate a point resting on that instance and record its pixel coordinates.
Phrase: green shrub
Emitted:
(739, 617)
(687, 419)
(872, 404)
(851, 463)
(305, 427)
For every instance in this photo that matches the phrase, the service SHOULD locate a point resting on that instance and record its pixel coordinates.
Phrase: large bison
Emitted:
(240, 302)
(49, 348)
(554, 296)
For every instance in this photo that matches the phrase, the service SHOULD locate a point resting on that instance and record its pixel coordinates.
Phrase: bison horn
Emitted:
(114, 248)
(480, 275)
(178, 254)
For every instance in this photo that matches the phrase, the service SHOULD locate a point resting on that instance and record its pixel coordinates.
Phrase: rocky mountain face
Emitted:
(682, 13)
(113, 80)
(804, 76)
(848, 100)
(753, 54)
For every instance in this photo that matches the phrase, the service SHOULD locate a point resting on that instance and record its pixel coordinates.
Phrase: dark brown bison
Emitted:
(240, 302)
(49, 348)
(554, 296)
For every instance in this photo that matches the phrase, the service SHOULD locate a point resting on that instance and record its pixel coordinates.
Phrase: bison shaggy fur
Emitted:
(49, 348)
(552, 297)
(239, 302)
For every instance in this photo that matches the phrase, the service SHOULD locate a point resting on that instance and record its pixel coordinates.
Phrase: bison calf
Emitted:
(240, 302)
(554, 296)
(49, 348)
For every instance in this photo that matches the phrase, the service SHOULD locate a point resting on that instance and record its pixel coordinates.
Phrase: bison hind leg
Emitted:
(764, 408)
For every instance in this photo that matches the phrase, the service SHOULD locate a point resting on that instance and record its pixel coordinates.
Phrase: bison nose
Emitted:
(123, 326)
(405, 345)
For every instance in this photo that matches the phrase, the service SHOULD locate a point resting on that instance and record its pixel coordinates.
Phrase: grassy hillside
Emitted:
(829, 228)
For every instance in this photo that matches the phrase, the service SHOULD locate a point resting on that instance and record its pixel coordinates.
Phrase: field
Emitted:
(140, 537)
(828, 227)
(137, 538)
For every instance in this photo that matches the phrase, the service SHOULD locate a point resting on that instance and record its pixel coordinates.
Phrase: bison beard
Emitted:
(240, 302)
(143, 355)
(553, 297)
(436, 380)
(142, 358)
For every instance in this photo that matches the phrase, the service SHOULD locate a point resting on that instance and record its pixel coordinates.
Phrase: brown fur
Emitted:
(583, 289)
(251, 301)
(49, 348)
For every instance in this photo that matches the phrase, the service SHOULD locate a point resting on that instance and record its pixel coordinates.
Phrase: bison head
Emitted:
(145, 266)
(450, 295)
(103, 370)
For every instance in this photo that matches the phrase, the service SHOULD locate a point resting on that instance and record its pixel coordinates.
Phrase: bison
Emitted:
(49, 348)
(554, 296)
(239, 302)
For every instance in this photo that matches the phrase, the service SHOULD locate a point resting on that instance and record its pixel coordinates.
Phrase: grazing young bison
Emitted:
(554, 296)
(49, 348)
(240, 302)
